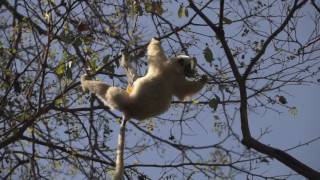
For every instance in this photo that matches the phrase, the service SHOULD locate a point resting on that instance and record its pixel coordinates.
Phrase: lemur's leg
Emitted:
(95, 87)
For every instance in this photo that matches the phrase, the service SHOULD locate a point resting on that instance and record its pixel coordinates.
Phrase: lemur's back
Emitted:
(151, 95)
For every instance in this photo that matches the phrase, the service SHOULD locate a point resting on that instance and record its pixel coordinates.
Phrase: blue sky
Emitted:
(286, 130)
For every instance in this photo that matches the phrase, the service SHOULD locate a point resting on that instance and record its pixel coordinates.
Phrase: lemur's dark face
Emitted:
(188, 64)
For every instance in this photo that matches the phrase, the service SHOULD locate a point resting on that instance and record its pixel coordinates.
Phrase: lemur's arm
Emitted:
(156, 56)
(185, 88)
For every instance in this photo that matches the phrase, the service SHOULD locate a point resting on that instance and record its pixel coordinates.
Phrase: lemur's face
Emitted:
(188, 65)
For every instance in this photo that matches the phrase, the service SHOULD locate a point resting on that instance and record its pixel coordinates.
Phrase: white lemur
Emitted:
(151, 94)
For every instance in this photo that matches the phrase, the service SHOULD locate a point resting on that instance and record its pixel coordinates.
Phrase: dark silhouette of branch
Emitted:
(248, 140)
(313, 2)
(261, 52)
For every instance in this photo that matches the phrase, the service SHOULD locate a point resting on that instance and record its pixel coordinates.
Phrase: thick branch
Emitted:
(221, 14)
(313, 2)
(284, 157)
(220, 35)
(280, 155)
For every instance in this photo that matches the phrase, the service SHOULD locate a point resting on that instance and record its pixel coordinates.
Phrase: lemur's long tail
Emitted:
(119, 170)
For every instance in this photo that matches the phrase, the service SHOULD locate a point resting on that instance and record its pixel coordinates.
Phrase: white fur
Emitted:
(151, 94)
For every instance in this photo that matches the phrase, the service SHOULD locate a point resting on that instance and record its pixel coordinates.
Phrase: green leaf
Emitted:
(118, 120)
(293, 111)
(181, 11)
(68, 38)
(77, 42)
(60, 101)
(148, 7)
(13, 50)
(59, 70)
(213, 103)
(226, 20)
(93, 65)
(195, 101)
(150, 125)
(208, 55)
(87, 40)
(137, 9)
(23, 116)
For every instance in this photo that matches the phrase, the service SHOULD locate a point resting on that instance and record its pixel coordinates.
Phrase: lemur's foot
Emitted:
(84, 78)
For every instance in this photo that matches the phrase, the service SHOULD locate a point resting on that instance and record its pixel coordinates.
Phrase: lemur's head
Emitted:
(188, 64)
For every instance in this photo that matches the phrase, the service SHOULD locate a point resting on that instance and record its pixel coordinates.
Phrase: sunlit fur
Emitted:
(151, 94)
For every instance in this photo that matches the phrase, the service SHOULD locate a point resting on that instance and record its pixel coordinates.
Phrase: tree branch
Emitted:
(280, 155)
(250, 142)
(220, 35)
(315, 5)
(221, 14)
(254, 60)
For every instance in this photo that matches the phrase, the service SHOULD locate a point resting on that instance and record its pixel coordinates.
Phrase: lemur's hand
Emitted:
(83, 79)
